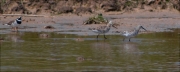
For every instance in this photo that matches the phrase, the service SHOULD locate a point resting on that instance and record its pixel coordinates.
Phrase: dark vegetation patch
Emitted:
(99, 19)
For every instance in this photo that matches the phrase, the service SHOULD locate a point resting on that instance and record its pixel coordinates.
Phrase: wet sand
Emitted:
(73, 24)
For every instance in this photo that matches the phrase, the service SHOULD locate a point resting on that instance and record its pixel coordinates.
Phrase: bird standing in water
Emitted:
(102, 29)
(130, 34)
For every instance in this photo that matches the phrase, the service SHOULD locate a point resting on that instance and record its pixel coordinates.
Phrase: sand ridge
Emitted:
(73, 24)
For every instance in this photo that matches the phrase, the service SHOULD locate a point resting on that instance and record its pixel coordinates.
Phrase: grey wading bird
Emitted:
(130, 34)
(102, 29)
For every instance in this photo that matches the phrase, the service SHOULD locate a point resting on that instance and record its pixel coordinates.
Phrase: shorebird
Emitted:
(130, 34)
(102, 29)
(14, 23)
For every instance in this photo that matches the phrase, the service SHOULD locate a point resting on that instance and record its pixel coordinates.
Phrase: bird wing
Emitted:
(131, 33)
(9, 23)
(96, 31)
(126, 33)
(122, 33)
(99, 29)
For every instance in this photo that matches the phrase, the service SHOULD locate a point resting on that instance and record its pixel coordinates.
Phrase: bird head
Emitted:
(19, 18)
(111, 24)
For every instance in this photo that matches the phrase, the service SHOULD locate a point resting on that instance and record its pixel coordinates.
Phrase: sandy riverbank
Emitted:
(73, 24)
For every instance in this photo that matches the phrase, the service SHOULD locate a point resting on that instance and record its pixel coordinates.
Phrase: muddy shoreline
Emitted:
(73, 24)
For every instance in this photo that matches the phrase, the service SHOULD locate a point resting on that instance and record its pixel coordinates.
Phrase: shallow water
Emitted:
(35, 51)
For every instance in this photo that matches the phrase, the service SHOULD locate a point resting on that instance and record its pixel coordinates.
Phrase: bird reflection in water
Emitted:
(15, 37)
(130, 47)
(130, 53)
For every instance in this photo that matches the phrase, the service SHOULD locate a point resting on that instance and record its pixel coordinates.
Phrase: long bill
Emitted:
(144, 28)
(114, 26)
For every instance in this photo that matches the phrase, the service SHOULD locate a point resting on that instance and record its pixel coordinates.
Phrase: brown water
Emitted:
(34, 51)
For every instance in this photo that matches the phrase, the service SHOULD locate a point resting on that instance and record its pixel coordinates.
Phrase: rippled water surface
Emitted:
(33, 51)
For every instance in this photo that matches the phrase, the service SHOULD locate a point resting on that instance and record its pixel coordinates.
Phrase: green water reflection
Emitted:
(32, 51)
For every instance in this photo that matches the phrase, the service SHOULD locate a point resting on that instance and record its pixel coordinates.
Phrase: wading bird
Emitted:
(102, 29)
(130, 34)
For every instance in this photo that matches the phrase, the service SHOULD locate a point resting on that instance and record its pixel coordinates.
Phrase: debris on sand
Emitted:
(49, 27)
(99, 19)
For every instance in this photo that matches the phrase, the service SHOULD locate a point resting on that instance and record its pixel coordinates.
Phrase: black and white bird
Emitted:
(14, 23)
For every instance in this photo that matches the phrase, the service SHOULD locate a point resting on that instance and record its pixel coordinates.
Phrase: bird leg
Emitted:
(97, 36)
(15, 28)
(12, 28)
(129, 39)
(105, 36)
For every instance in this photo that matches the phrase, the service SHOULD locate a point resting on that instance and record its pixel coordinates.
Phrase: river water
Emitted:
(49, 51)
